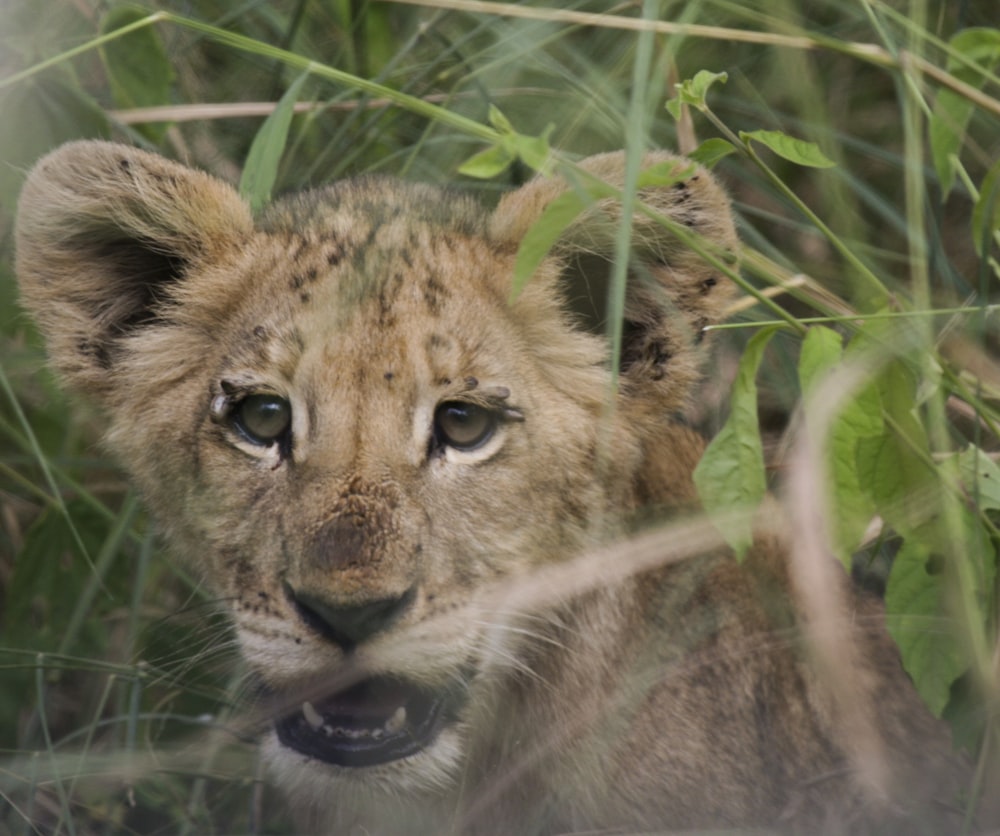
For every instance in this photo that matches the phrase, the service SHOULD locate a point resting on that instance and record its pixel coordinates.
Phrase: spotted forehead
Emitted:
(382, 271)
(379, 241)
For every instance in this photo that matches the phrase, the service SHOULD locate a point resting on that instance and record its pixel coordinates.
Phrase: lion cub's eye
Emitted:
(263, 419)
(463, 426)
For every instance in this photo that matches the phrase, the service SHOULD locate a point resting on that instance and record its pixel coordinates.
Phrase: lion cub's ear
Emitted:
(672, 292)
(104, 231)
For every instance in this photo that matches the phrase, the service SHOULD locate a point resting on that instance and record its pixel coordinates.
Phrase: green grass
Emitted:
(119, 682)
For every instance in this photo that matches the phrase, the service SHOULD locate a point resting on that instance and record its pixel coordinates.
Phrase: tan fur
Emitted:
(679, 696)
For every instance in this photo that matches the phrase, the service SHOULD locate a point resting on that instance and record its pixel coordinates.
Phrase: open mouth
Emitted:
(379, 720)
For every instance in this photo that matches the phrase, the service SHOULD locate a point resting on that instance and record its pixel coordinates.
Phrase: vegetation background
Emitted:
(118, 679)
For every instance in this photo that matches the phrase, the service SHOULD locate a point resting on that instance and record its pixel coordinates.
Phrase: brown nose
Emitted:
(349, 625)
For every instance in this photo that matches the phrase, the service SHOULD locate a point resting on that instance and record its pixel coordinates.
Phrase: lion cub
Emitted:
(385, 464)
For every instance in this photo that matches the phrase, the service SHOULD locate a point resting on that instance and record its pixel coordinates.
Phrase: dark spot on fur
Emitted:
(471, 382)
(436, 341)
(96, 352)
(389, 376)
(304, 298)
(125, 164)
(434, 293)
(259, 332)
(708, 284)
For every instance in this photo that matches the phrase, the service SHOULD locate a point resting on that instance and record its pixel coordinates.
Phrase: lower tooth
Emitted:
(313, 717)
(396, 722)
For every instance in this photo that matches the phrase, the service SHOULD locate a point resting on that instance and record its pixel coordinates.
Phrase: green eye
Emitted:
(463, 426)
(263, 419)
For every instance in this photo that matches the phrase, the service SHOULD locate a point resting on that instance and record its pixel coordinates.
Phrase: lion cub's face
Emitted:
(339, 414)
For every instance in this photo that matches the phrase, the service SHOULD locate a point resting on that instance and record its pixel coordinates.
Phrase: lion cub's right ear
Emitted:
(104, 234)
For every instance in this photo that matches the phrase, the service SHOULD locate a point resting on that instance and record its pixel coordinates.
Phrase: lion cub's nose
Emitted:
(348, 625)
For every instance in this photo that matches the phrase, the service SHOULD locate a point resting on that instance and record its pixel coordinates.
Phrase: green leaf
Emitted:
(534, 151)
(261, 168)
(543, 234)
(980, 477)
(952, 111)
(794, 150)
(894, 466)
(946, 131)
(711, 151)
(986, 212)
(730, 476)
(488, 163)
(821, 353)
(499, 121)
(915, 608)
(859, 417)
(137, 64)
(694, 91)
(664, 175)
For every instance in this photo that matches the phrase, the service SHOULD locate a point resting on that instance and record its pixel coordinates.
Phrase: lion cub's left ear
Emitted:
(672, 292)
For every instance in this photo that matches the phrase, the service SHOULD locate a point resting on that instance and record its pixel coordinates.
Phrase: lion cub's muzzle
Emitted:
(350, 584)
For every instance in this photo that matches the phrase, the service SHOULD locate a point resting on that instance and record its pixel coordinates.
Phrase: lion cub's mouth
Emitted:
(379, 720)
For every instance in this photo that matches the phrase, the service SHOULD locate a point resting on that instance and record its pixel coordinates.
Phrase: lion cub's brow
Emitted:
(379, 239)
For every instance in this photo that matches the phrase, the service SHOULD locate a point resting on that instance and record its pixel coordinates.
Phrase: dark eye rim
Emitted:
(441, 438)
(238, 422)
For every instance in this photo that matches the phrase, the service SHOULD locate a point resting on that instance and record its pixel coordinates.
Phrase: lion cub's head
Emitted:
(341, 414)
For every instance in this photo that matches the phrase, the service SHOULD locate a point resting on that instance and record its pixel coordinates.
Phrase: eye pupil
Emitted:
(463, 426)
(263, 418)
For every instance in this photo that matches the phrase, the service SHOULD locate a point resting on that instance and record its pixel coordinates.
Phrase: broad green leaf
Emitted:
(952, 111)
(980, 477)
(730, 476)
(543, 234)
(693, 91)
(859, 417)
(794, 150)
(138, 67)
(488, 163)
(915, 610)
(986, 212)
(894, 466)
(261, 168)
(821, 353)
(711, 151)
